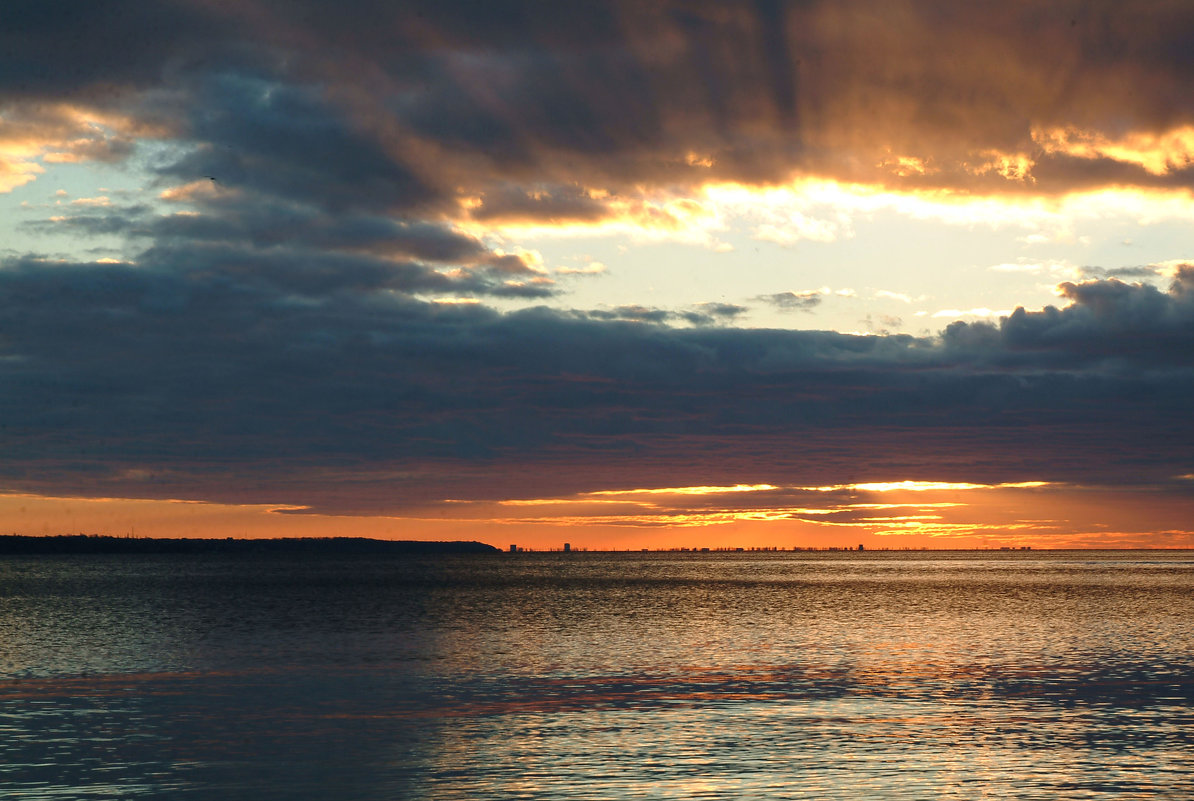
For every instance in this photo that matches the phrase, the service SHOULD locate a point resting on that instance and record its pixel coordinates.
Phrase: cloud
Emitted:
(701, 314)
(262, 134)
(639, 314)
(16, 172)
(541, 204)
(1171, 151)
(883, 324)
(59, 48)
(1106, 322)
(804, 301)
(592, 268)
(57, 132)
(223, 374)
(722, 310)
(1172, 267)
(256, 233)
(303, 251)
(532, 111)
(1121, 272)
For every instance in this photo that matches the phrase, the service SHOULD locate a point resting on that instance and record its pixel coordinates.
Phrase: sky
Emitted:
(618, 274)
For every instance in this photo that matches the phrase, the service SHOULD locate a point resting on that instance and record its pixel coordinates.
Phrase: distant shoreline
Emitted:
(19, 544)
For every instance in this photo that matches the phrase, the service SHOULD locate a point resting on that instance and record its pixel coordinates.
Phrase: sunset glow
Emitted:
(735, 399)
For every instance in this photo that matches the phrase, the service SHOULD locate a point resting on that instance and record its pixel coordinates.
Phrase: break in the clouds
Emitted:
(323, 281)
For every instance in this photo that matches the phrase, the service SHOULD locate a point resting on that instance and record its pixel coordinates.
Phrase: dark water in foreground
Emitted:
(772, 675)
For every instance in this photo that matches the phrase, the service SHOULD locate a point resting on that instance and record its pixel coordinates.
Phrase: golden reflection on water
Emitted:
(600, 676)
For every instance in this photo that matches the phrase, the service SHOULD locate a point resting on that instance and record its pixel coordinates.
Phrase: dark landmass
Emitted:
(86, 543)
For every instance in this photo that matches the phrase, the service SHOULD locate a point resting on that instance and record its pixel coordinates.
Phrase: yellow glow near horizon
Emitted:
(711, 490)
(924, 486)
(561, 502)
(644, 506)
(939, 530)
(637, 499)
(1060, 516)
(694, 519)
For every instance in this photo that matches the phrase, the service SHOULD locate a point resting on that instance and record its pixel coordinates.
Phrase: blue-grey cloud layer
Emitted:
(185, 380)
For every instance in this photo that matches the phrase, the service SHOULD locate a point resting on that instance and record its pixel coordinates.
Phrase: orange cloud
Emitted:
(1157, 153)
(60, 133)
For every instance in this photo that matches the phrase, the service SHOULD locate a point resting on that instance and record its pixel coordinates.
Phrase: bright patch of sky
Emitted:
(887, 267)
(71, 189)
(868, 267)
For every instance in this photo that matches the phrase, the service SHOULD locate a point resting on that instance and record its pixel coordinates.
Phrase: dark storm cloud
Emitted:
(625, 92)
(319, 384)
(302, 250)
(259, 134)
(384, 107)
(314, 273)
(270, 222)
(65, 48)
(549, 204)
(1076, 173)
(1129, 326)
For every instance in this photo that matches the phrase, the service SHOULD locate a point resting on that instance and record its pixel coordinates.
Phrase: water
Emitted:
(599, 676)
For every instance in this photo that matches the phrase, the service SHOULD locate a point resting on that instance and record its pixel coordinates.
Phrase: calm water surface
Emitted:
(542, 676)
